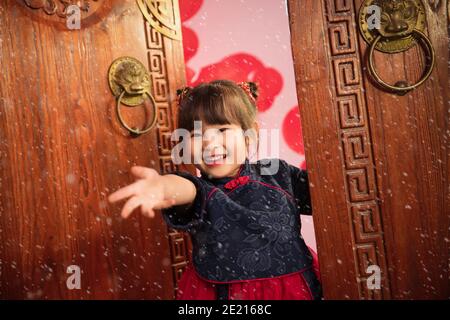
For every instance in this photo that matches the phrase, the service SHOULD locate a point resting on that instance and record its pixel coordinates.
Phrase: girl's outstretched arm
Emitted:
(154, 191)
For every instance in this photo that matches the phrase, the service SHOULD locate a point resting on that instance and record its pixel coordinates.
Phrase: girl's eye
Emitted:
(223, 129)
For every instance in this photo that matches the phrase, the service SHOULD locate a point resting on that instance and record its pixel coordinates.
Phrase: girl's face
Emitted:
(219, 150)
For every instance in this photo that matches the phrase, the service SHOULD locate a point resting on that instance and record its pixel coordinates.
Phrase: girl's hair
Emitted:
(218, 102)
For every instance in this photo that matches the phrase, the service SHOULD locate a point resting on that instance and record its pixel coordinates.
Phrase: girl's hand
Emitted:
(148, 192)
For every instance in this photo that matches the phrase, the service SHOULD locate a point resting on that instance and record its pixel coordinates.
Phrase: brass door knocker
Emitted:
(130, 83)
(401, 26)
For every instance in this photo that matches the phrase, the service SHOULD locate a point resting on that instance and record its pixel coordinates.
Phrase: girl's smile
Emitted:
(215, 159)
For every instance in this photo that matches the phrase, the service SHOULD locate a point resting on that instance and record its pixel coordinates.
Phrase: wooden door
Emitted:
(63, 150)
(378, 162)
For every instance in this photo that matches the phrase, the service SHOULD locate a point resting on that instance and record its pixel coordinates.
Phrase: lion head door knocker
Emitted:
(393, 26)
(130, 83)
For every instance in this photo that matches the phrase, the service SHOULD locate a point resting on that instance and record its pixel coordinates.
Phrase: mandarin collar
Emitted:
(244, 170)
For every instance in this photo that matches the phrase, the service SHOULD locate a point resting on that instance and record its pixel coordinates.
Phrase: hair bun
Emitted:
(253, 89)
(182, 93)
(250, 88)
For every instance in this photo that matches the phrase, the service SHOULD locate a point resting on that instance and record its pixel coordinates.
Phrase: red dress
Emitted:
(287, 287)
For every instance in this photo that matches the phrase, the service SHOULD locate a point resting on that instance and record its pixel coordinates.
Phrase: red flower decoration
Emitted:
(292, 131)
(236, 182)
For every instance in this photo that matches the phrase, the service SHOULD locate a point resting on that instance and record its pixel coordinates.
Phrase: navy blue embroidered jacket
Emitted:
(248, 226)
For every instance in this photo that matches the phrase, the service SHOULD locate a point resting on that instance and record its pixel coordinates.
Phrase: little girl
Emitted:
(243, 218)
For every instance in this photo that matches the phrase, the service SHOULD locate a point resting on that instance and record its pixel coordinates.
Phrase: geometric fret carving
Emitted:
(160, 85)
(350, 113)
(367, 294)
(177, 247)
(361, 184)
(164, 128)
(359, 168)
(163, 16)
(166, 164)
(356, 148)
(339, 10)
(366, 255)
(347, 75)
(339, 37)
(366, 222)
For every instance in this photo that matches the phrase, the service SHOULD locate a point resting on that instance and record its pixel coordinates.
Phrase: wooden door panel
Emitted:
(409, 140)
(378, 162)
(63, 151)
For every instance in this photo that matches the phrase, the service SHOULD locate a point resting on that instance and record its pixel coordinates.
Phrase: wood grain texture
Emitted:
(410, 140)
(323, 148)
(378, 162)
(63, 151)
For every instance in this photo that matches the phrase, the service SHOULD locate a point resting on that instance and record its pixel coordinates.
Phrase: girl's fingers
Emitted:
(124, 192)
(150, 213)
(143, 172)
(129, 206)
(144, 209)
(166, 204)
(147, 211)
(132, 189)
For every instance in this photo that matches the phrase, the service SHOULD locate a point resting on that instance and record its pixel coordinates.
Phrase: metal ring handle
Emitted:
(136, 131)
(406, 88)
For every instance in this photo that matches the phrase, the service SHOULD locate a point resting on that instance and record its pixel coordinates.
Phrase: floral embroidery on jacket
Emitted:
(249, 228)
